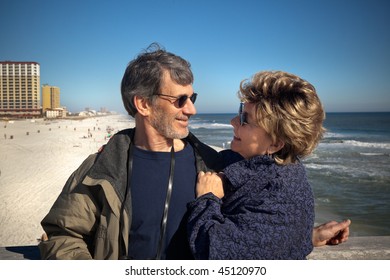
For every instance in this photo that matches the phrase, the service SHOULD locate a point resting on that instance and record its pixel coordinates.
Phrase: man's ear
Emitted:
(275, 147)
(142, 105)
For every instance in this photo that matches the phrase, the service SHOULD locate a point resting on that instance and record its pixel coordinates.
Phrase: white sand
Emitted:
(35, 167)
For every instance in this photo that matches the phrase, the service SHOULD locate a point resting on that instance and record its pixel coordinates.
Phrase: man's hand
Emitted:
(331, 233)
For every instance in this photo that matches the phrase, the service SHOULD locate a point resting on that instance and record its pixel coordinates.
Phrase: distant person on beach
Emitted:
(261, 206)
(129, 201)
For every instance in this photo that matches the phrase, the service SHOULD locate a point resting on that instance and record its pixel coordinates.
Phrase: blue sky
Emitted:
(83, 47)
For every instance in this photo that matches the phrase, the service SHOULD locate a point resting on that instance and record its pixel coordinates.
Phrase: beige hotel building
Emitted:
(50, 97)
(51, 107)
(20, 89)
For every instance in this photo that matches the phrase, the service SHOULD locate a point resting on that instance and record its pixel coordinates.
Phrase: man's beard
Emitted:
(164, 124)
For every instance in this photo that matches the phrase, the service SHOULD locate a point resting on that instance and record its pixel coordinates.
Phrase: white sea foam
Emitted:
(354, 143)
(374, 154)
(367, 144)
(333, 135)
(205, 125)
(316, 166)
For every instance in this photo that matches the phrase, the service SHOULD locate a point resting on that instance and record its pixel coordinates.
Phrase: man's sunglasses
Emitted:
(181, 100)
(242, 114)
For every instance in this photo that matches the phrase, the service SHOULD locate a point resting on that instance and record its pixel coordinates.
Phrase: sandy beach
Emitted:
(35, 164)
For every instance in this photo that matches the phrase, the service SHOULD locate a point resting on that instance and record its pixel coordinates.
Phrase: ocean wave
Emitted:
(332, 141)
(315, 166)
(334, 168)
(210, 126)
(349, 172)
(374, 154)
(323, 200)
(357, 143)
(367, 144)
(333, 135)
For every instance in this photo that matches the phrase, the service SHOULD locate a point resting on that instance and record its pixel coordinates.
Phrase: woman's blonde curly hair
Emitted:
(289, 110)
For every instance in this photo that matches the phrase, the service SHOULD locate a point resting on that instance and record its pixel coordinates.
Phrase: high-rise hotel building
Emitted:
(50, 97)
(19, 89)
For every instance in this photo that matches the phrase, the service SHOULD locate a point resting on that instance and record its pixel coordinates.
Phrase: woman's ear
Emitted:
(275, 147)
(142, 105)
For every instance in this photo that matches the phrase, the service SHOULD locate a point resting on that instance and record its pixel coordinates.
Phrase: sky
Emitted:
(84, 46)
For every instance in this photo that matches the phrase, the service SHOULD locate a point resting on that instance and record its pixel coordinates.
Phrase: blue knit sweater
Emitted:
(267, 213)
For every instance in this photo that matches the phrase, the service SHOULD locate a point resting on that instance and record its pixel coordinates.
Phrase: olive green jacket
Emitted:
(90, 219)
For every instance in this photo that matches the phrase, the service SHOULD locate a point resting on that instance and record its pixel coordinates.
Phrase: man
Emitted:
(129, 200)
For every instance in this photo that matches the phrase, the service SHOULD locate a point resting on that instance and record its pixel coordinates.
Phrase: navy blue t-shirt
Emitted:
(149, 183)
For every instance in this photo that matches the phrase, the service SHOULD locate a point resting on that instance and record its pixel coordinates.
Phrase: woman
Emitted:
(266, 208)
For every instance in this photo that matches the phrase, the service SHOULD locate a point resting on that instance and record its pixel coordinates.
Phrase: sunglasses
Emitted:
(181, 100)
(242, 114)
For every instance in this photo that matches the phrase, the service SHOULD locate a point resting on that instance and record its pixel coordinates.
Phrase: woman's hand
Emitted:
(331, 233)
(209, 182)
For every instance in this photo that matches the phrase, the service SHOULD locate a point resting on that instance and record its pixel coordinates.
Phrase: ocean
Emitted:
(349, 171)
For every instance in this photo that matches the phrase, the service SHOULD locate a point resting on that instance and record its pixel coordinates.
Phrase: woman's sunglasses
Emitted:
(242, 114)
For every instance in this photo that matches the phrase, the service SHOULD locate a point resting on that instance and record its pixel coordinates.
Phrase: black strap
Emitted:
(166, 206)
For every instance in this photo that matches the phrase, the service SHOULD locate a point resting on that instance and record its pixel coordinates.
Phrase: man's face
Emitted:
(167, 118)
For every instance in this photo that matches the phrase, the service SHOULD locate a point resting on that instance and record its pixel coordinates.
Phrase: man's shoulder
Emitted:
(127, 133)
(199, 146)
(118, 140)
(204, 153)
(229, 157)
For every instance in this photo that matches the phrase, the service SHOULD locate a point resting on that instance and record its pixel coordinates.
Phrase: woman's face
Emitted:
(249, 139)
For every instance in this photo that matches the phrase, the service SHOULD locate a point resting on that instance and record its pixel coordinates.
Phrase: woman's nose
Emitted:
(234, 121)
